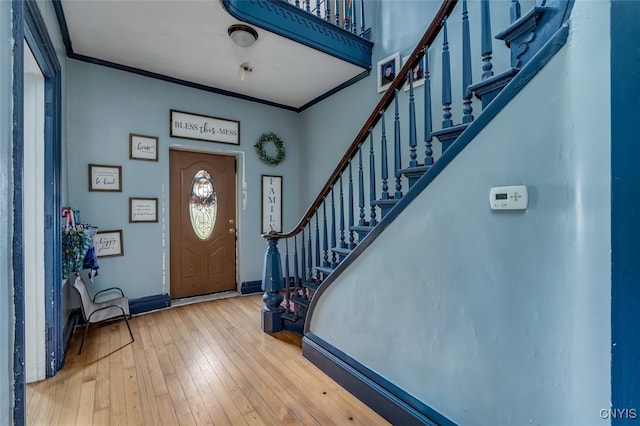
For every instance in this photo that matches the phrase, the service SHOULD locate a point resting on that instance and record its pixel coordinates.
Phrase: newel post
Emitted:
(271, 285)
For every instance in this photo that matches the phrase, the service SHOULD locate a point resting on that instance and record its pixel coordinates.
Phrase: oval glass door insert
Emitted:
(203, 205)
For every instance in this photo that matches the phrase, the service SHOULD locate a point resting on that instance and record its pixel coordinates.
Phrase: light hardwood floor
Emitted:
(199, 364)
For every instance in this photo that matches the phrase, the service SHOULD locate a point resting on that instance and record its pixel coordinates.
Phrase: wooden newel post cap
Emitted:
(272, 235)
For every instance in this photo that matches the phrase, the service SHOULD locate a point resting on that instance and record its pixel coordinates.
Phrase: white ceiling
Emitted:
(188, 40)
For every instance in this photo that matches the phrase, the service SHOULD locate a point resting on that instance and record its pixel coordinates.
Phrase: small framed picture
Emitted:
(418, 73)
(271, 203)
(143, 147)
(387, 69)
(143, 209)
(108, 243)
(105, 178)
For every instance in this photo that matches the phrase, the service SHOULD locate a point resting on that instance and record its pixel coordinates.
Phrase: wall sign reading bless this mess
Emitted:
(205, 128)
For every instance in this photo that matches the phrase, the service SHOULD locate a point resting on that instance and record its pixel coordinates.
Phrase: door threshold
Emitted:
(204, 298)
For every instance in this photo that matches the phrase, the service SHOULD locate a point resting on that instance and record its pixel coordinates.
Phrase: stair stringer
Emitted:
(358, 308)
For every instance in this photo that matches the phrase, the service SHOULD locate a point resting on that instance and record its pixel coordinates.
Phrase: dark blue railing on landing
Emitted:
(346, 14)
(348, 224)
(332, 31)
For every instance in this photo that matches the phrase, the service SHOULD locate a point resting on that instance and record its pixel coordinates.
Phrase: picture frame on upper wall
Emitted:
(271, 203)
(419, 73)
(201, 127)
(108, 243)
(105, 178)
(143, 147)
(386, 71)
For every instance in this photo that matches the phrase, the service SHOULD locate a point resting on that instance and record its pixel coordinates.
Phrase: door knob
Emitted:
(231, 221)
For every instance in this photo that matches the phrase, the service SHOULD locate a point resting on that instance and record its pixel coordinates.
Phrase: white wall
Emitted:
(104, 106)
(500, 317)
(7, 318)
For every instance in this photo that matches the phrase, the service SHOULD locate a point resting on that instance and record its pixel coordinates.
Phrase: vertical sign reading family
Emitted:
(271, 203)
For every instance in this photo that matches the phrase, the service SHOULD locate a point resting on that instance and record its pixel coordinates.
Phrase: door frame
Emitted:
(239, 157)
(29, 26)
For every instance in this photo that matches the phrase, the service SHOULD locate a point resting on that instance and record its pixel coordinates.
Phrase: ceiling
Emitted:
(187, 40)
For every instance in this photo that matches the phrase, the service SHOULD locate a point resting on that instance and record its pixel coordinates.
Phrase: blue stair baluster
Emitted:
(361, 221)
(398, 158)
(514, 12)
(347, 15)
(383, 155)
(309, 257)
(337, 12)
(334, 260)
(342, 243)
(327, 12)
(307, 5)
(317, 239)
(428, 126)
(413, 139)
(298, 3)
(287, 283)
(446, 81)
(487, 43)
(296, 271)
(318, 8)
(350, 207)
(354, 26)
(466, 66)
(372, 180)
(362, 13)
(303, 263)
(325, 237)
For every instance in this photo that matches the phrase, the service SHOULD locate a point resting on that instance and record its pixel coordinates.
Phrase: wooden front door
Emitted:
(202, 205)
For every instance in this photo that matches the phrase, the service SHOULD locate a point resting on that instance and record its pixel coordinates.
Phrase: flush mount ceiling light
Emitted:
(242, 35)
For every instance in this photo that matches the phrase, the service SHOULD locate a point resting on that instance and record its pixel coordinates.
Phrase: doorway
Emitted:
(202, 208)
(33, 222)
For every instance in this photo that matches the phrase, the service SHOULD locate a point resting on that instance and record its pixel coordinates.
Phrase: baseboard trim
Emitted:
(391, 402)
(250, 287)
(149, 303)
(73, 319)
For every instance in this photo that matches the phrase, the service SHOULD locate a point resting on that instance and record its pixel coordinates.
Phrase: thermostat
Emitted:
(509, 197)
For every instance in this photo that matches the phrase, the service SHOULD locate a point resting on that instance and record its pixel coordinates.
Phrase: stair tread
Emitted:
(389, 202)
(418, 170)
(290, 316)
(325, 269)
(313, 285)
(361, 228)
(341, 250)
(301, 301)
(450, 132)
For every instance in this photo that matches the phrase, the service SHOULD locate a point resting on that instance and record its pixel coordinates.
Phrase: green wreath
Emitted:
(262, 154)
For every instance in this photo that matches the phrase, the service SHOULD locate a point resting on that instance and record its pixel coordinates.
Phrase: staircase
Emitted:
(384, 168)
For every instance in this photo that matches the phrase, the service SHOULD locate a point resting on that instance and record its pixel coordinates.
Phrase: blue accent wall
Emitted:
(502, 317)
(625, 210)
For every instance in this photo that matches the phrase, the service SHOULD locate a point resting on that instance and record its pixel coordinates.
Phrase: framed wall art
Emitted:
(271, 203)
(204, 128)
(143, 210)
(418, 73)
(143, 147)
(105, 178)
(108, 243)
(386, 71)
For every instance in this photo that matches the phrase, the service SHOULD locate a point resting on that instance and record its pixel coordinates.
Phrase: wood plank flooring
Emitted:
(202, 364)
